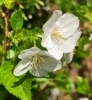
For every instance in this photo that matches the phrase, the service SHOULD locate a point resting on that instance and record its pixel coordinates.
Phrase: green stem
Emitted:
(34, 43)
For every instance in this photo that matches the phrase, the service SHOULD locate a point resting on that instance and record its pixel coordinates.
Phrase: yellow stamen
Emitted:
(37, 61)
(56, 38)
(56, 34)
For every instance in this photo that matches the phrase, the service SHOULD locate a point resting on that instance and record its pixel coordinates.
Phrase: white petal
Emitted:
(28, 53)
(68, 24)
(44, 53)
(52, 54)
(50, 23)
(90, 35)
(58, 67)
(68, 57)
(39, 72)
(48, 58)
(56, 52)
(46, 40)
(69, 44)
(22, 67)
(51, 64)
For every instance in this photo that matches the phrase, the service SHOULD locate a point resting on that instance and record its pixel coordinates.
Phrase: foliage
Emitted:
(20, 28)
(16, 20)
(9, 81)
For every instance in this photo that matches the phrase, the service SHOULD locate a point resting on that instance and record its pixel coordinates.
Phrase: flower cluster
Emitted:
(60, 36)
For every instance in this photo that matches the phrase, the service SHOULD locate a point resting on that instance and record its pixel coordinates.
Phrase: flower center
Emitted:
(37, 61)
(56, 37)
(56, 34)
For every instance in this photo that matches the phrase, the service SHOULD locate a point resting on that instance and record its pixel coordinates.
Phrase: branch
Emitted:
(5, 42)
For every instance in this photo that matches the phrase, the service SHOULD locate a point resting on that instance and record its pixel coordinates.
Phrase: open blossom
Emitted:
(60, 33)
(37, 62)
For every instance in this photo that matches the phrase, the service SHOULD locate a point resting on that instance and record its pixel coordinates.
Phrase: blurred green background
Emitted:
(20, 25)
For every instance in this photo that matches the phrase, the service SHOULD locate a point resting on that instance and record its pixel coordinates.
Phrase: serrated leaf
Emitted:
(16, 20)
(8, 80)
(36, 33)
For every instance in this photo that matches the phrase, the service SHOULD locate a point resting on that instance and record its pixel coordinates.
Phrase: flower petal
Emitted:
(68, 57)
(58, 67)
(39, 72)
(51, 54)
(69, 44)
(56, 52)
(47, 56)
(44, 53)
(68, 24)
(28, 53)
(50, 64)
(22, 67)
(46, 40)
(49, 24)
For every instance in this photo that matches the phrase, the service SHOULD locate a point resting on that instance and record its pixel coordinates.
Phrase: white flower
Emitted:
(90, 38)
(37, 62)
(60, 33)
(68, 57)
(83, 99)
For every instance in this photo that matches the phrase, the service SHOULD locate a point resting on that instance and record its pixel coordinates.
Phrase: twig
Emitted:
(5, 42)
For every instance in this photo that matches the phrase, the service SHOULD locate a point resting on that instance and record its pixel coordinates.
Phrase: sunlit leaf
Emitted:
(16, 20)
(10, 54)
(82, 85)
(1, 2)
(21, 90)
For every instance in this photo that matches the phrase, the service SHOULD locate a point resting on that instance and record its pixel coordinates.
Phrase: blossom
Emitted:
(60, 33)
(37, 62)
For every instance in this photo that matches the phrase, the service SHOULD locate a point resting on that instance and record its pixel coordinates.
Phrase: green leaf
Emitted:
(21, 90)
(9, 4)
(62, 80)
(82, 2)
(10, 54)
(40, 2)
(82, 86)
(16, 20)
(36, 34)
(1, 2)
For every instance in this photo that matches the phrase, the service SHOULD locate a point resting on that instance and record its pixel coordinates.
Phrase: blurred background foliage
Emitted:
(20, 28)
